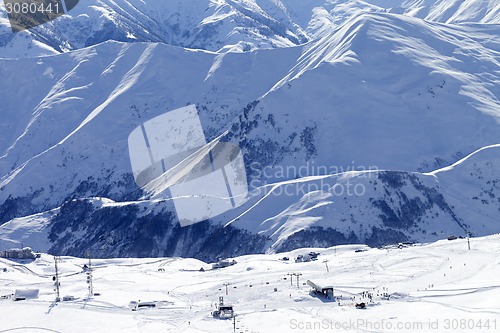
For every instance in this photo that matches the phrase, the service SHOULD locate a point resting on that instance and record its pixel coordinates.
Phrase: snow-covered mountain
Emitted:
(317, 94)
(371, 207)
(224, 25)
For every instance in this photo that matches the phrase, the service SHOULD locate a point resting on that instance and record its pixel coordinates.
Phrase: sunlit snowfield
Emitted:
(433, 287)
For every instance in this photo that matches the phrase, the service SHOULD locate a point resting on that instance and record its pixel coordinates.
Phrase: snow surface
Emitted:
(427, 284)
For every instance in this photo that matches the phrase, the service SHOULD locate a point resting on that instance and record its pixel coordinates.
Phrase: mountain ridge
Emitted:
(218, 24)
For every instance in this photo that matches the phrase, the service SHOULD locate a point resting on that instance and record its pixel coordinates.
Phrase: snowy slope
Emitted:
(77, 115)
(383, 76)
(481, 202)
(428, 284)
(32, 230)
(378, 206)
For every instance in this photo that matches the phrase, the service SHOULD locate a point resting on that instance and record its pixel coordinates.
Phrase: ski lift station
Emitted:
(320, 287)
(223, 311)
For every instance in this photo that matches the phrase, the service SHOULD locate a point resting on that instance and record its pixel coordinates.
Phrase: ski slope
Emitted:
(428, 285)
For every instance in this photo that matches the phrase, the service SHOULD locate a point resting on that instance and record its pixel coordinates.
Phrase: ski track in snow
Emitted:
(468, 289)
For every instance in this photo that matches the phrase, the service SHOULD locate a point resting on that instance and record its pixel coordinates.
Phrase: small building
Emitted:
(223, 263)
(146, 305)
(323, 289)
(311, 256)
(24, 253)
(24, 294)
(141, 305)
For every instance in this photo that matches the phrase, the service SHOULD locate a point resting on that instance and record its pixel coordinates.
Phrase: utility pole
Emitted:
(56, 280)
(291, 280)
(468, 239)
(326, 264)
(297, 275)
(226, 284)
(89, 279)
(234, 323)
